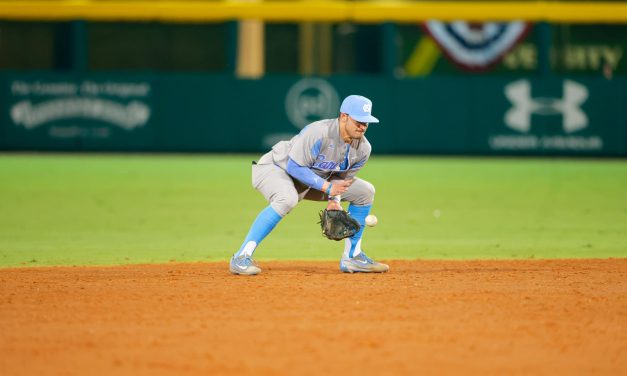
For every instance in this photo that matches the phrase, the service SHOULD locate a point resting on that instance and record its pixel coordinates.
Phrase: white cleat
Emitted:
(243, 265)
(362, 264)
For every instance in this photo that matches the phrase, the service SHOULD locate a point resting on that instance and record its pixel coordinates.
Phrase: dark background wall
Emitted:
(219, 113)
(148, 86)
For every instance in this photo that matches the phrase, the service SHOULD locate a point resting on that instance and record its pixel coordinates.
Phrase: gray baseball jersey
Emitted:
(320, 147)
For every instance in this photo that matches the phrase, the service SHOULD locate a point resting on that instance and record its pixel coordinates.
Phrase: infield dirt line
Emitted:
(434, 317)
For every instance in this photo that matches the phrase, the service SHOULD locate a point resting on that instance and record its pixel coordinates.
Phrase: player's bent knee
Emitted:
(365, 195)
(370, 191)
(283, 204)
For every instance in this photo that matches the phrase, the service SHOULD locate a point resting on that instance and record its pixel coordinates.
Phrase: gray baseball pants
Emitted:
(284, 192)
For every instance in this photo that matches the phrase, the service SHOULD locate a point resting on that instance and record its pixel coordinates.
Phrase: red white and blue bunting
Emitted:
(476, 46)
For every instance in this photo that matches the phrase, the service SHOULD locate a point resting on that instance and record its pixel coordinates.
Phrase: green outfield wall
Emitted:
(219, 113)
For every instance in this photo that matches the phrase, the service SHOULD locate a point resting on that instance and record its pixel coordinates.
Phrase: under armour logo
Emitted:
(523, 105)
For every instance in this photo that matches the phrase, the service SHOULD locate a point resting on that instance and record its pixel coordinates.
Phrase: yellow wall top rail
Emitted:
(319, 11)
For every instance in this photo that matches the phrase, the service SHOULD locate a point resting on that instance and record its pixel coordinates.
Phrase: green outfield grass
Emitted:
(87, 209)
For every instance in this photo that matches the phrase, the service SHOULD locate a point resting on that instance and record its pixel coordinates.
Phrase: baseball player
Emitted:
(319, 164)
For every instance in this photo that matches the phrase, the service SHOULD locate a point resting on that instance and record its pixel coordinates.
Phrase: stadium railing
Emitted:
(324, 11)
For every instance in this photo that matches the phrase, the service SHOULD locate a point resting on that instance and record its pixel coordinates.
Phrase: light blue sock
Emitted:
(261, 227)
(359, 213)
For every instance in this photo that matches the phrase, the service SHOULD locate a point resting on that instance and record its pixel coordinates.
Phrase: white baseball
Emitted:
(371, 220)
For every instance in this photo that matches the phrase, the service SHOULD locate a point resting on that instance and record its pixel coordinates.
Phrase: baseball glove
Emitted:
(338, 224)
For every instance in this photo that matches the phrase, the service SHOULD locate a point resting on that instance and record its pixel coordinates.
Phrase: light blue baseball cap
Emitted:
(359, 108)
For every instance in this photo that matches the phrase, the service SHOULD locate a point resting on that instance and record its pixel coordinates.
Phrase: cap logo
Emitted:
(367, 107)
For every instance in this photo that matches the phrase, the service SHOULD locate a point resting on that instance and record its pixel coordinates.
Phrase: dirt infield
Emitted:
(434, 317)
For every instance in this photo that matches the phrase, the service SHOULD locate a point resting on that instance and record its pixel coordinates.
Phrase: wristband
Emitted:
(337, 198)
(328, 192)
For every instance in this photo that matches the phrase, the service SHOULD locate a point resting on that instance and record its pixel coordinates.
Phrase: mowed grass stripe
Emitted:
(86, 209)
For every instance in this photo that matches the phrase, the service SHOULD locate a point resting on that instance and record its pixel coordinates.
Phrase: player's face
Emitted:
(355, 129)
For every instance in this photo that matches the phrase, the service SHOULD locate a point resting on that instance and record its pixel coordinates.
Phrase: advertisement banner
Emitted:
(560, 117)
(82, 114)
(218, 113)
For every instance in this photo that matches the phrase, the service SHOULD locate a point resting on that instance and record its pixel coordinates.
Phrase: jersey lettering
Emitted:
(322, 164)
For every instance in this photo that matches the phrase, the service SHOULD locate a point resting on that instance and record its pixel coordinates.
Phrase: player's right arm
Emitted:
(308, 177)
